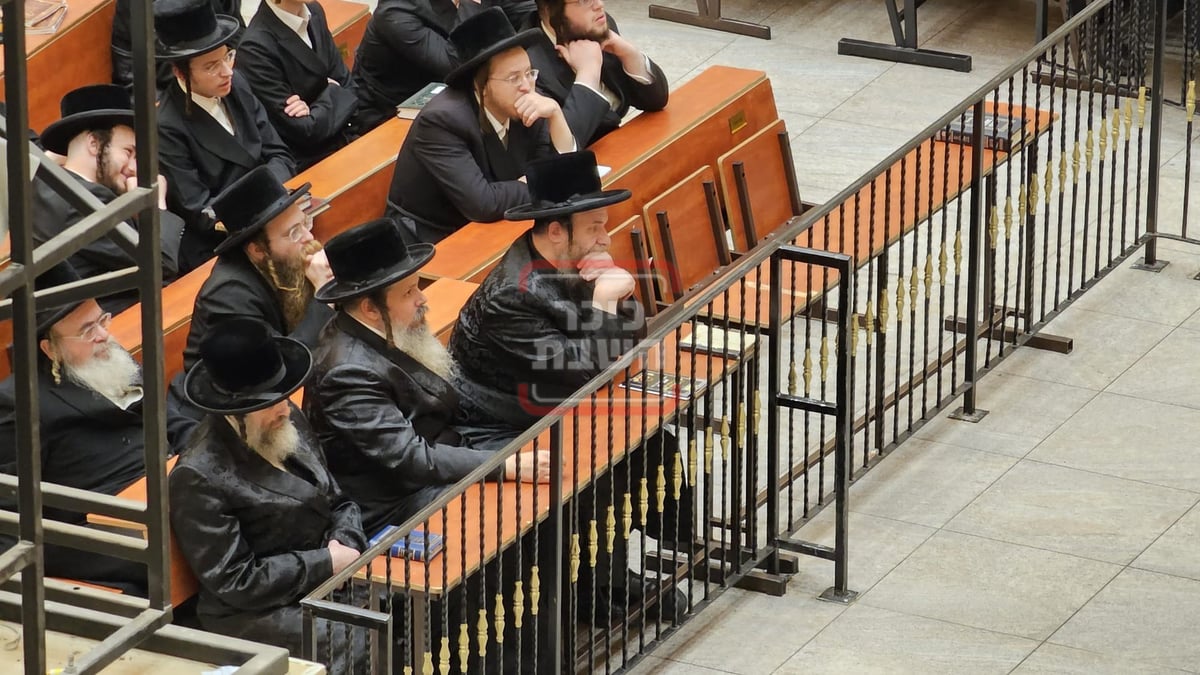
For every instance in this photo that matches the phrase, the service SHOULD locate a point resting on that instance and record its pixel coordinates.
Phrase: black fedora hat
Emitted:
(187, 28)
(564, 184)
(250, 203)
(96, 106)
(369, 256)
(59, 275)
(481, 37)
(243, 368)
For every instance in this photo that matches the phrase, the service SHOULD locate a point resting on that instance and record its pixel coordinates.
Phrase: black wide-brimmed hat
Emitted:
(243, 368)
(247, 205)
(187, 28)
(96, 106)
(564, 184)
(369, 256)
(61, 274)
(481, 37)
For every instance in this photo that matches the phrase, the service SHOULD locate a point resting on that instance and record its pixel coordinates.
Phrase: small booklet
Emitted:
(667, 385)
(1000, 132)
(412, 105)
(706, 339)
(418, 545)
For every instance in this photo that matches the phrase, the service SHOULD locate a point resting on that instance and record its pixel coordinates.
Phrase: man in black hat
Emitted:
(594, 73)
(212, 129)
(257, 515)
(380, 398)
(267, 268)
(95, 135)
(551, 316)
(415, 33)
(90, 398)
(288, 56)
(464, 158)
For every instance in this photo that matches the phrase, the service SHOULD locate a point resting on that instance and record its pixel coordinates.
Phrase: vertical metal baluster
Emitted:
(928, 279)
(910, 287)
(943, 269)
(1089, 153)
(898, 367)
(1191, 33)
(1048, 189)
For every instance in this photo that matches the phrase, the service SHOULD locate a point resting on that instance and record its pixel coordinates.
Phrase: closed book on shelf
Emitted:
(412, 105)
(418, 545)
(1000, 132)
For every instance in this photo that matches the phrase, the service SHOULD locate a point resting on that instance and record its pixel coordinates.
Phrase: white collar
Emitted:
(550, 33)
(298, 24)
(501, 128)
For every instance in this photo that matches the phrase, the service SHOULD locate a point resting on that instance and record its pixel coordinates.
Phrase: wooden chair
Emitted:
(687, 233)
(628, 251)
(758, 181)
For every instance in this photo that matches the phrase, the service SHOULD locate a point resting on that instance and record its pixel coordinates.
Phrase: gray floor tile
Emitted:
(1168, 374)
(1193, 322)
(1059, 660)
(1072, 511)
(1104, 347)
(831, 154)
(819, 24)
(1167, 297)
(1129, 438)
(876, 546)
(1176, 550)
(990, 585)
(899, 487)
(1141, 616)
(654, 665)
(1021, 413)
(719, 636)
(871, 640)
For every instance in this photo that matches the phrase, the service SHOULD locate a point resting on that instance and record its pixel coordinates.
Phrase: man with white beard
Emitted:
(257, 514)
(90, 398)
(380, 398)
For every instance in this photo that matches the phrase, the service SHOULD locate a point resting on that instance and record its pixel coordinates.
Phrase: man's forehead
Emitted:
(291, 217)
(85, 313)
(510, 61)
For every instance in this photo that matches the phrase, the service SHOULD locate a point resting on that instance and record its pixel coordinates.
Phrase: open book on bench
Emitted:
(706, 339)
(668, 385)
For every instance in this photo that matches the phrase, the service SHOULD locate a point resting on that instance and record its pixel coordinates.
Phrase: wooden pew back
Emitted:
(771, 196)
(687, 238)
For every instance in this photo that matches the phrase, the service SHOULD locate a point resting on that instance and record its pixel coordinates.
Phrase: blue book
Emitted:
(418, 545)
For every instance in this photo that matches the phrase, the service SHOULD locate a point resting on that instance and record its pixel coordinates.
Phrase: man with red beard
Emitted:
(212, 128)
(257, 514)
(96, 138)
(267, 268)
(380, 398)
(90, 398)
(595, 74)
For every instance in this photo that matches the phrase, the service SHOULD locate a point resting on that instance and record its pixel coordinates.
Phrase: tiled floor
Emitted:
(1059, 535)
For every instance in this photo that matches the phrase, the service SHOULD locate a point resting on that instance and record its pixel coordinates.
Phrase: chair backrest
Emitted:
(628, 251)
(687, 232)
(758, 181)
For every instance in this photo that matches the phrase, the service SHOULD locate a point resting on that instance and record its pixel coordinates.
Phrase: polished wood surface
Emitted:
(694, 253)
(766, 184)
(348, 22)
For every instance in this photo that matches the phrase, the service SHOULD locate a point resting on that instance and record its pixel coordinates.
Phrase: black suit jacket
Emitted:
(384, 421)
(589, 114)
(277, 64)
(52, 214)
(200, 159)
(529, 337)
(256, 536)
(414, 33)
(449, 172)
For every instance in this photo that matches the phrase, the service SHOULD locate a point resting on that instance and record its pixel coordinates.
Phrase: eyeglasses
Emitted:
(297, 231)
(517, 79)
(586, 4)
(92, 331)
(214, 68)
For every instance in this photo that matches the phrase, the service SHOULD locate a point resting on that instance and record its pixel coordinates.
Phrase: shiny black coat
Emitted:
(384, 422)
(52, 214)
(200, 159)
(256, 536)
(449, 172)
(277, 64)
(589, 114)
(528, 338)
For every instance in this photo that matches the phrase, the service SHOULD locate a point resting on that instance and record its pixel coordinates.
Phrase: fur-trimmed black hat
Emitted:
(187, 28)
(59, 275)
(243, 368)
(481, 37)
(96, 106)
(369, 256)
(564, 184)
(247, 205)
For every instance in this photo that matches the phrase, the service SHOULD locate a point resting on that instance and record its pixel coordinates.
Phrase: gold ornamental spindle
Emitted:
(593, 543)
(1103, 137)
(1141, 107)
(741, 429)
(677, 481)
(519, 604)
(708, 454)
(427, 663)
(610, 528)
(807, 368)
(869, 323)
(1008, 217)
(660, 488)
(1049, 187)
(900, 296)
(464, 646)
(444, 656)
(643, 500)
(791, 380)
(1062, 171)
(408, 670)
(825, 359)
(757, 401)
(693, 457)
(853, 334)
(574, 557)
(1116, 123)
(1075, 154)
(928, 276)
(498, 619)
(1191, 100)
(535, 590)
(725, 440)
(1033, 195)
(627, 516)
(1022, 200)
(993, 227)
(883, 311)
(943, 264)
(482, 633)
(1129, 105)
(913, 288)
(1089, 147)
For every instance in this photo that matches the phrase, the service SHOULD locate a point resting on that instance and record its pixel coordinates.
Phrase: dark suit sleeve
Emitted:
(357, 405)
(584, 109)
(415, 42)
(347, 524)
(517, 11)
(330, 112)
(275, 153)
(188, 194)
(210, 536)
(442, 148)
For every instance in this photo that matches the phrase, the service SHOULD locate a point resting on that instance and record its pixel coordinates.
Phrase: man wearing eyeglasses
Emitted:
(267, 269)
(595, 74)
(464, 158)
(212, 128)
(90, 401)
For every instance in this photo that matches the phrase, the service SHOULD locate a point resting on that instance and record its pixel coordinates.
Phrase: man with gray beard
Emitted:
(267, 268)
(258, 516)
(380, 398)
(90, 398)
